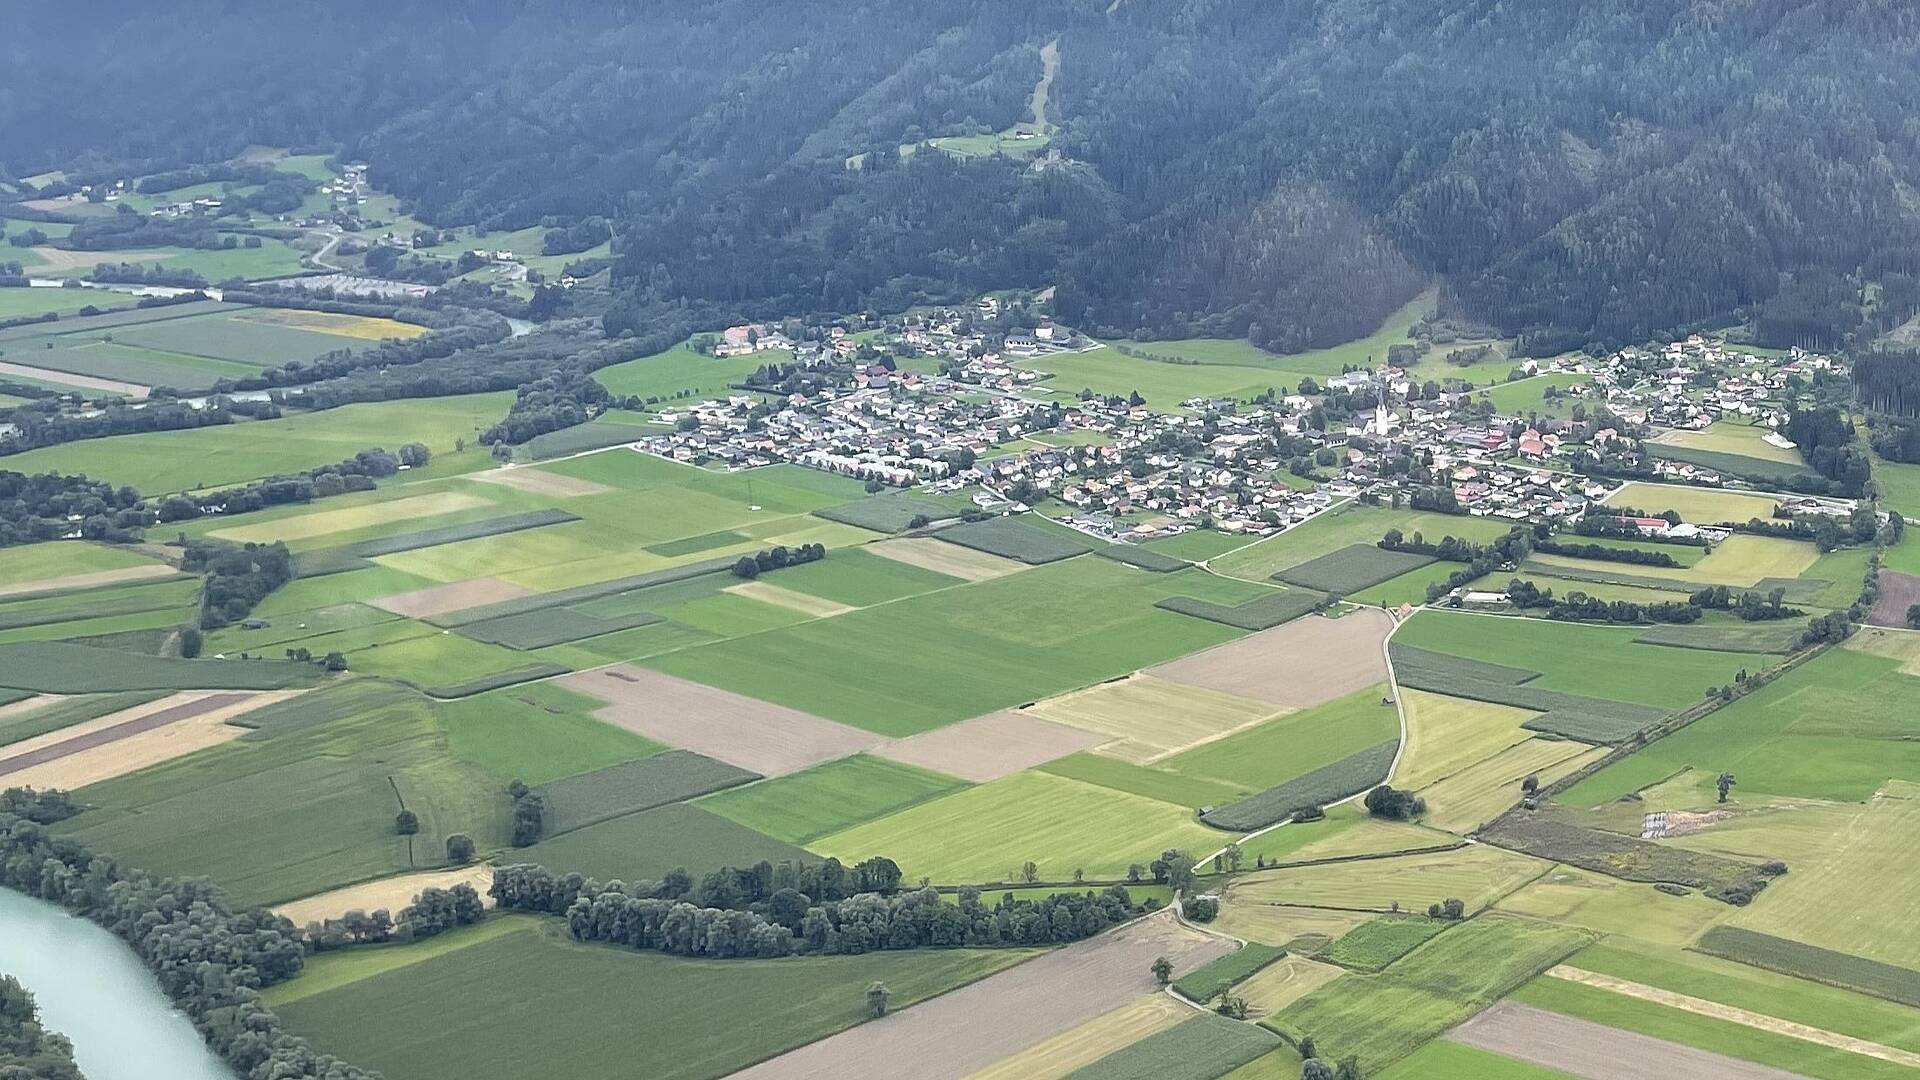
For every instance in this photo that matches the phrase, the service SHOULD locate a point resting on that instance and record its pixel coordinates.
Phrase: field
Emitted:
(1741, 560)
(961, 652)
(1352, 569)
(984, 834)
(1831, 728)
(538, 732)
(1443, 1060)
(658, 1003)
(59, 668)
(1345, 526)
(1087, 1043)
(1702, 506)
(828, 798)
(127, 742)
(1263, 612)
(1319, 787)
(56, 565)
(1446, 735)
(167, 461)
(1796, 961)
(991, 746)
(1477, 875)
(1611, 906)
(1208, 981)
(1198, 1049)
(1011, 538)
(1374, 944)
(980, 1025)
(648, 845)
(1149, 718)
(1302, 664)
(1759, 471)
(1465, 800)
(672, 776)
(1293, 745)
(1732, 437)
(1527, 397)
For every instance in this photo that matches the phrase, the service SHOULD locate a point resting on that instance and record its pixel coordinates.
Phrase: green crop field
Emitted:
(1197, 544)
(616, 790)
(984, 834)
(1201, 1048)
(1207, 981)
(166, 461)
(21, 567)
(1592, 661)
(1899, 485)
(828, 798)
(1345, 526)
(1271, 608)
(1383, 1018)
(1292, 745)
(661, 1003)
(538, 732)
(1352, 569)
(1331, 782)
(645, 846)
(860, 579)
(961, 652)
(1443, 1060)
(1703, 506)
(16, 302)
(58, 668)
(1835, 727)
(1376, 943)
(302, 804)
(889, 513)
(1012, 538)
(53, 713)
(1780, 1051)
(108, 358)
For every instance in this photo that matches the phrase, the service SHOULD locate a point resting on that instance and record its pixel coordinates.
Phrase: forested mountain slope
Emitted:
(1287, 169)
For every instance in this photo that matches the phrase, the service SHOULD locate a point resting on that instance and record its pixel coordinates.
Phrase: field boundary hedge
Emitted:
(1350, 775)
(323, 561)
(1261, 613)
(1802, 961)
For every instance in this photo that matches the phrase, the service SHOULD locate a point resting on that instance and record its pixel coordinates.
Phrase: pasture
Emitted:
(1608, 905)
(827, 798)
(1733, 437)
(56, 564)
(167, 461)
(1109, 371)
(958, 653)
(985, 833)
(537, 732)
(671, 776)
(1741, 560)
(1468, 798)
(1293, 745)
(681, 372)
(1543, 395)
(1701, 506)
(659, 1005)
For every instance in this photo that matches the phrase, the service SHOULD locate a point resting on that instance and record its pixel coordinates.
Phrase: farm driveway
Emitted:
(1593, 1051)
(956, 1034)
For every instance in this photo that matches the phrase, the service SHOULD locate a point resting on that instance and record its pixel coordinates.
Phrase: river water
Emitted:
(95, 991)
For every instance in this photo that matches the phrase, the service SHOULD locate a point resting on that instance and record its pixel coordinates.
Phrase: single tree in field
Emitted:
(1030, 872)
(1349, 1069)
(459, 849)
(1135, 872)
(406, 823)
(1724, 783)
(1307, 1047)
(1913, 615)
(1530, 786)
(1162, 970)
(1315, 1069)
(877, 995)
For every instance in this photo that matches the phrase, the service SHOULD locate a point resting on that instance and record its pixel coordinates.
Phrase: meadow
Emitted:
(1701, 506)
(659, 1006)
(828, 798)
(168, 461)
(1345, 526)
(1292, 745)
(1743, 561)
(1733, 437)
(647, 845)
(26, 564)
(985, 833)
(956, 653)
(1528, 397)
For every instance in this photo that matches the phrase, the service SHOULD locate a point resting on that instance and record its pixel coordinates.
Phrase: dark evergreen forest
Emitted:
(1291, 170)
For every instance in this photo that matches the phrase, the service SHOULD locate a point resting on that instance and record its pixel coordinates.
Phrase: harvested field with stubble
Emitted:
(97, 578)
(128, 741)
(392, 894)
(1147, 718)
(768, 739)
(768, 593)
(1465, 800)
(1593, 1051)
(453, 596)
(1307, 662)
(959, 1033)
(1089, 1042)
(952, 560)
(991, 746)
(540, 482)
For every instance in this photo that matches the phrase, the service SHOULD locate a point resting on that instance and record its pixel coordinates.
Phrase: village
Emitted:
(945, 400)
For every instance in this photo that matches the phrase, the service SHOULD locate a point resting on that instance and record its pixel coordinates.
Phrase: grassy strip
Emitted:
(1142, 558)
(673, 776)
(354, 556)
(67, 713)
(1262, 613)
(1374, 944)
(1211, 979)
(887, 513)
(495, 680)
(1353, 568)
(1762, 638)
(567, 597)
(552, 626)
(1813, 963)
(1010, 538)
(1329, 783)
(1629, 858)
(1198, 1049)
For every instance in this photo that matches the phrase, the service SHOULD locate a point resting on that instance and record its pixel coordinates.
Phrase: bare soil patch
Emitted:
(991, 746)
(959, 1033)
(1307, 662)
(769, 739)
(1898, 592)
(539, 482)
(943, 558)
(129, 741)
(1596, 1052)
(67, 378)
(768, 593)
(1743, 1017)
(88, 581)
(392, 893)
(453, 596)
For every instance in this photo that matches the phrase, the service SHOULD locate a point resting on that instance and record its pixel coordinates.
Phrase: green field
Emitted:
(682, 372)
(1292, 745)
(828, 798)
(1210, 979)
(28, 563)
(1200, 1048)
(1475, 875)
(167, 461)
(56, 668)
(1527, 397)
(1443, 1060)
(538, 732)
(983, 834)
(1836, 727)
(962, 652)
(1352, 569)
(859, 579)
(1742, 561)
(1164, 386)
(1347, 525)
(302, 804)
(17, 302)
(1733, 437)
(1704, 506)
(1374, 944)
(1152, 782)
(671, 776)
(645, 846)
(661, 1006)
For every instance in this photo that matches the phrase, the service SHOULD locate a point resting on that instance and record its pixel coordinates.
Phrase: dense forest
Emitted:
(1291, 170)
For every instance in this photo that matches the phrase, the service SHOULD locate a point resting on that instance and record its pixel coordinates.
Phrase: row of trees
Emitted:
(1606, 553)
(1577, 606)
(433, 911)
(210, 961)
(776, 558)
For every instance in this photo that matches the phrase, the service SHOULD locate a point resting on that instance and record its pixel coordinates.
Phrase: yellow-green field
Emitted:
(1731, 437)
(1741, 560)
(1150, 718)
(1448, 734)
(1477, 875)
(1698, 505)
